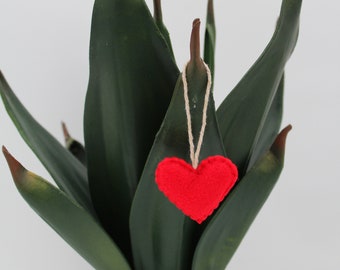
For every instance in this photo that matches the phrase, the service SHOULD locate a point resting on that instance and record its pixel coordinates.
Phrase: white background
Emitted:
(44, 56)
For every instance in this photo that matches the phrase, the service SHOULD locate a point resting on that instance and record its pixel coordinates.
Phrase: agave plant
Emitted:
(107, 205)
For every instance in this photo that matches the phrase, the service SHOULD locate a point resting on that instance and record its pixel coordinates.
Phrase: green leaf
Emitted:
(68, 173)
(243, 113)
(67, 218)
(210, 38)
(160, 24)
(271, 125)
(162, 237)
(132, 76)
(226, 230)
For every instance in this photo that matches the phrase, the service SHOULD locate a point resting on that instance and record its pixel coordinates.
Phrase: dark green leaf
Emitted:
(132, 76)
(67, 218)
(243, 113)
(68, 173)
(162, 237)
(226, 230)
(210, 38)
(161, 26)
(271, 125)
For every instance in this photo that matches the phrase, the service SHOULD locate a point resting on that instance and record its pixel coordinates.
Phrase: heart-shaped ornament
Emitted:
(196, 192)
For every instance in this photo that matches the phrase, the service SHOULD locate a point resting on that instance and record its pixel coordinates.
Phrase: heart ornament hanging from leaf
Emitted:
(196, 192)
(196, 189)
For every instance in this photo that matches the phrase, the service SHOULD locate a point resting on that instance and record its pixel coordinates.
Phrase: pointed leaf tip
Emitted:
(210, 16)
(195, 41)
(75, 147)
(54, 206)
(210, 38)
(3, 81)
(66, 171)
(157, 10)
(15, 166)
(196, 23)
(1, 75)
(158, 18)
(278, 147)
(67, 135)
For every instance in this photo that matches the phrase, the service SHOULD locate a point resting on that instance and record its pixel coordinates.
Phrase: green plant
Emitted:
(108, 206)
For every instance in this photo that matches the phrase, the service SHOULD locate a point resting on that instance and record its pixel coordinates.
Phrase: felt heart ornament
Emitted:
(196, 192)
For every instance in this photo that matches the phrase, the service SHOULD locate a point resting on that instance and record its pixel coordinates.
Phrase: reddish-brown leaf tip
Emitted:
(278, 147)
(210, 16)
(196, 63)
(65, 132)
(15, 166)
(157, 10)
(195, 41)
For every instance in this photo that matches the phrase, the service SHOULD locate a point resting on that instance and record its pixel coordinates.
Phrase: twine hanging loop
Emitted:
(194, 154)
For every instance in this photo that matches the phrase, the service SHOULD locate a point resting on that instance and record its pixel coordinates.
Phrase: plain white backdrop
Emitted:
(44, 56)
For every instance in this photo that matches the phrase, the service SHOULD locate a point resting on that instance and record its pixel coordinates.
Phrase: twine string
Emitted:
(194, 154)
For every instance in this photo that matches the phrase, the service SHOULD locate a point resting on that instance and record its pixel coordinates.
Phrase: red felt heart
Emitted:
(197, 192)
